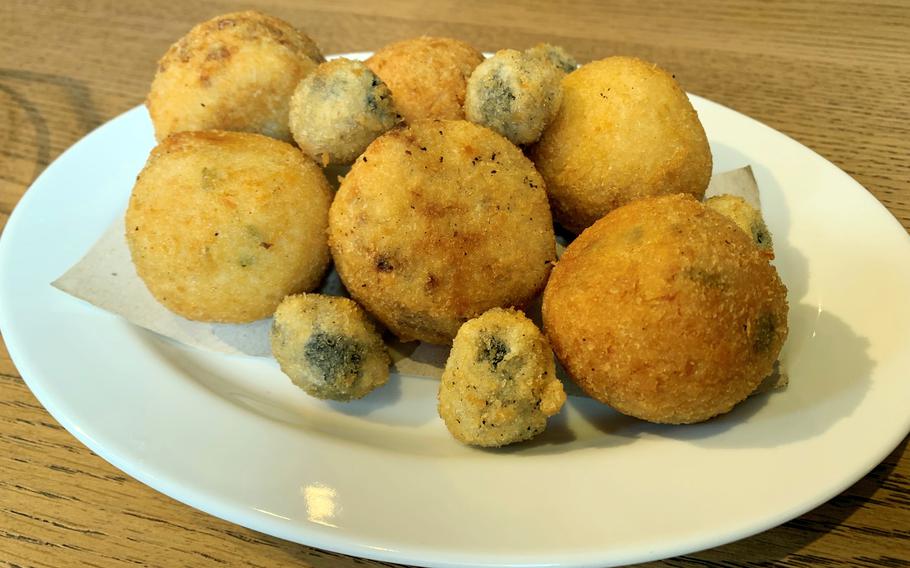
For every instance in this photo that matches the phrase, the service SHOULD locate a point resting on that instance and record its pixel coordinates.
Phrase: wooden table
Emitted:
(835, 76)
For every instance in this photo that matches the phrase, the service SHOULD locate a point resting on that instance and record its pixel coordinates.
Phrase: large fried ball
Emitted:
(624, 130)
(428, 76)
(515, 94)
(233, 72)
(328, 347)
(223, 225)
(666, 311)
(499, 385)
(437, 223)
(339, 109)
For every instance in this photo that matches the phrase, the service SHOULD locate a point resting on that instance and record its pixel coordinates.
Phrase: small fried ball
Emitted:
(222, 225)
(746, 217)
(515, 94)
(499, 385)
(438, 222)
(428, 76)
(625, 130)
(328, 347)
(233, 72)
(339, 109)
(557, 55)
(666, 311)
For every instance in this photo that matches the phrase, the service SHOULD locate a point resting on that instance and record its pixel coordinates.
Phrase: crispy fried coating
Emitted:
(428, 76)
(555, 54)
(666, 311)
(328, 347)
(499, 385)
(514, 93)
(746, 217)
(222, 225)
(340, 108)
(625, 130)
(233, 72)
(437, 223)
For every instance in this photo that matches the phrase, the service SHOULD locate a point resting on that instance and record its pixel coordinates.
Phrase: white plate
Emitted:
(381, 478)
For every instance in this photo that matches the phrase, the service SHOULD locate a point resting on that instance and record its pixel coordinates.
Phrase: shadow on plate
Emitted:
(386, 395)
(829, 371)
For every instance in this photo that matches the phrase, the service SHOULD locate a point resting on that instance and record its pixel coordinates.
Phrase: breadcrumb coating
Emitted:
(328, 347)
(233, 72)
(625, 130)
(437, 223)
(499, 385)
(222, 225)
(666, 311)
(428, 76)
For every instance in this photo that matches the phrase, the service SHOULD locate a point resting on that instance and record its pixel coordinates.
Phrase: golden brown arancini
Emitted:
(625, 130)
(428, 76)
(437, 223)
(665, 310)
(233, 72)
(328, 347)
(499, 385)
(222, 225)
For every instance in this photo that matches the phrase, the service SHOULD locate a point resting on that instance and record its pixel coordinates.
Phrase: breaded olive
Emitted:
(222, 225)
(328, 347)
(427, 75)
(499, 385)
(438, 222)
(515, 94)
(625, 130)
(666, 311)
(233, 72)
(340, 108)
(746, 217)
(555, 54)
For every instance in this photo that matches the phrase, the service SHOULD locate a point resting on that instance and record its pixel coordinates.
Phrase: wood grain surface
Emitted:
(833, 75)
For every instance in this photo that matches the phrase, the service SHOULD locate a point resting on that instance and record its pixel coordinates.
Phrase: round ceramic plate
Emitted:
(382, 478)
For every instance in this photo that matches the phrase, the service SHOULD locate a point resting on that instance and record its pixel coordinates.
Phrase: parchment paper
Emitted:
(106, 278)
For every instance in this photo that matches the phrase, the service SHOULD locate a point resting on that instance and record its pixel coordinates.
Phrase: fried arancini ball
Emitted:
(340, 108)
(624, 130)
(222, 225)
(746, 217)
(427, 75)
(233, 72)
(328, 347)
(499, 385)
(666, 311)
(437, 223)
(515, 94)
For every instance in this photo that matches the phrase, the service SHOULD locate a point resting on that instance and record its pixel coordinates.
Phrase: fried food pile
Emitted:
(664, 307)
